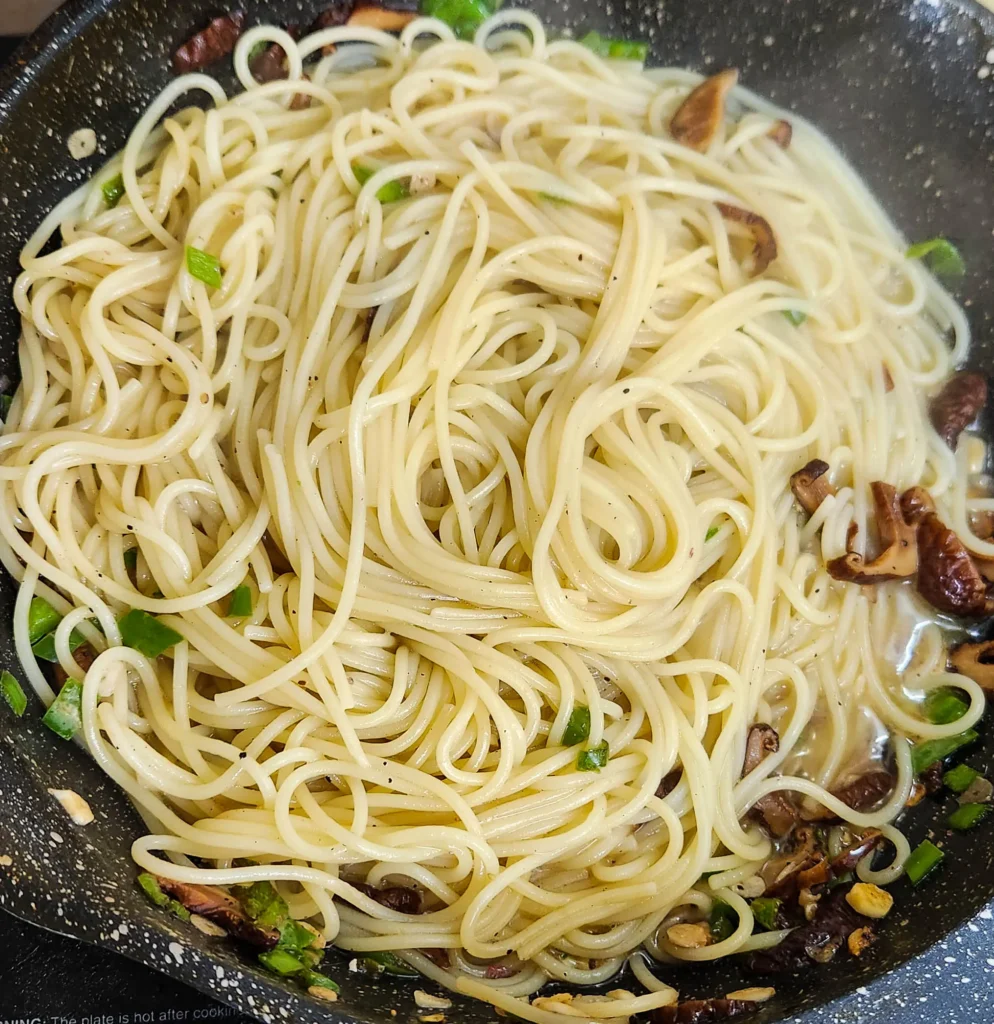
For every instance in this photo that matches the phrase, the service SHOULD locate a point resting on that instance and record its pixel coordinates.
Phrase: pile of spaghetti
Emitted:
(423, 423)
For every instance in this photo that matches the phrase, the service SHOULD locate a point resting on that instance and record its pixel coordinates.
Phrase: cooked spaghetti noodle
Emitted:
(517, 444)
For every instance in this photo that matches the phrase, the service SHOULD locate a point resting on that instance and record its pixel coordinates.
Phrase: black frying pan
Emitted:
(898, 85)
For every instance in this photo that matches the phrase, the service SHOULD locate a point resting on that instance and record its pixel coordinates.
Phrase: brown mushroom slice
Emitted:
(764, 243)
(224, 910)
(976, 661)
(916, 503)
(898, 558)
(382, 18)
(701, 1011)
(697, 120)
(888, 379)
(781, 133)
(811, 485)
(217, 40)
(862, 794)
(776, 809)
(947, 576)
(669, 782)
(956, 406)
(781, 873)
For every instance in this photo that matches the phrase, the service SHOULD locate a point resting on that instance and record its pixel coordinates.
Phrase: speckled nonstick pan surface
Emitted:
(900, 86)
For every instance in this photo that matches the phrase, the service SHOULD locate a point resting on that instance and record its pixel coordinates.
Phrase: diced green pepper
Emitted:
(203, 266)
(944, 705)
(145, 633)
(765, 910)
(922, 860)
(722, 920)
(13, 694)
(960, 778)
(615, 49)
(940, 254)
(578, 727)
(593, 759)
(65, 714)
(928, 752)
(113, 189)
(967, 815)
(240, 605)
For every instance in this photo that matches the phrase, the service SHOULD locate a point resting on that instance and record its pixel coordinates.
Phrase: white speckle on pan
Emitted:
(990, 55)
(177, 952)
(56, 837)
(82, 143)
(984, 72)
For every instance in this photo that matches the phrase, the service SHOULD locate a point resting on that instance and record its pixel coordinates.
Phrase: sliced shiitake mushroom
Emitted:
(811, 485)
(948, 578)
(224, 910)
(956, 406)
(386, 20)
(898, 558)
(781, 133)
(975, 660)
(212, 43)
(697, 120)
(776, 809)
(764, 242)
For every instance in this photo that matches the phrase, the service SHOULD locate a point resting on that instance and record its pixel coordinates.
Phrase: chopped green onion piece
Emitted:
(264, 905)
(615, 49)
(388, 193)
(258, 50)
(551, 197)
(712, 530)
(131, 559)
(151, 888)
(722, 920)
(294, 937)
(944, 705)
(42, 619)
(940, 254)
(967, 815)
(765, 911)
(203, 266)
(795, 316)
(6, 401)
(312, 978)
(45, 647)
(13, 694)
(960, 778)
(594, 758)
(65, 715)
(146, 633)
(928, 752)
(240, 604)
(922, 860)
(281, 962)
(578, 727)
(113, 189)
(381, 960)
(464, 17)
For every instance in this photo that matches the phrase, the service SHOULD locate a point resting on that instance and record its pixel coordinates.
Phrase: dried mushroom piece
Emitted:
(956, 406)
(386, 20)
(781, 133)
(916, 503)
(898, 558)
(217, 40)
(776, 810)
(217, 906)
(697, 120)
(819, 940)
(811, 485)
(271, 64)
(781, 873)
(764, 242)
(701, 1011)
(394, 897)
(861, 794)
(976, 661)
(947, 576)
